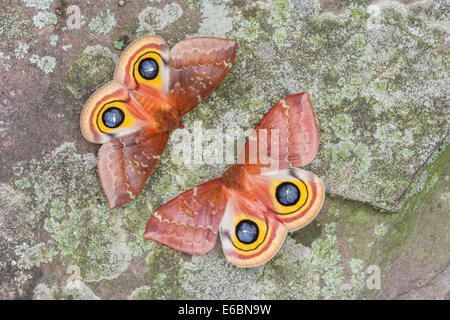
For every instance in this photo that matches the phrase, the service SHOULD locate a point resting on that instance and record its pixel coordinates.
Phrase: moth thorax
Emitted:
(163, 116)
(235, 177)
(167, 118)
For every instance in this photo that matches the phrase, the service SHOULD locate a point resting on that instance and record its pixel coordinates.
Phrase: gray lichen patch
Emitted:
(94, 68)
(210, 276)
(62, 193)
(164, 270)
(16, 278)
(73, 290)
(13, 26)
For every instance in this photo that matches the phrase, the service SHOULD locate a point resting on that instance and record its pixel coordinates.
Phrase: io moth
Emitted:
(255, 203)
(133, 115)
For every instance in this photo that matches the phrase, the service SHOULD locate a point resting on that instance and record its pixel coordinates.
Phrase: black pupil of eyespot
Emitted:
(287, 194)
(113, 117)
(148, 68)
(247, 231)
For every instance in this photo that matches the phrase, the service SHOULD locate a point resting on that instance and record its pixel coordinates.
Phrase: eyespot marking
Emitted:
(247, 231)
(287, 194)
(148, 68)
(113, 117)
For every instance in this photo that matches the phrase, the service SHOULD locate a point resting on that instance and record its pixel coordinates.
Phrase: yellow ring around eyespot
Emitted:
(248, 249)
(304, 191)
(127, 122)
(157, 82)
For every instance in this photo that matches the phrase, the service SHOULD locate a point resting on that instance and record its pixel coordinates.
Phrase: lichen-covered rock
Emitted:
(377, 73)
(94, 68)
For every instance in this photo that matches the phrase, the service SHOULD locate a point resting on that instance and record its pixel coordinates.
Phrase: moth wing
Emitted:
(290, 127)
(189, 223)
(186, 75)
(249, 235)
(293, 196)
(126, 163)
(112, 96)
(197, 66)
(128, 73)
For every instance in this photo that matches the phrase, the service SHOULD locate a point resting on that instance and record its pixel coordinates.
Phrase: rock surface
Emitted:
(377, 73)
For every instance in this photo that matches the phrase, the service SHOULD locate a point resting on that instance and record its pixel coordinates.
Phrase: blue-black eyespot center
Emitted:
(113, 117)
(148, 68)
(287, 194)
(247, 231)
